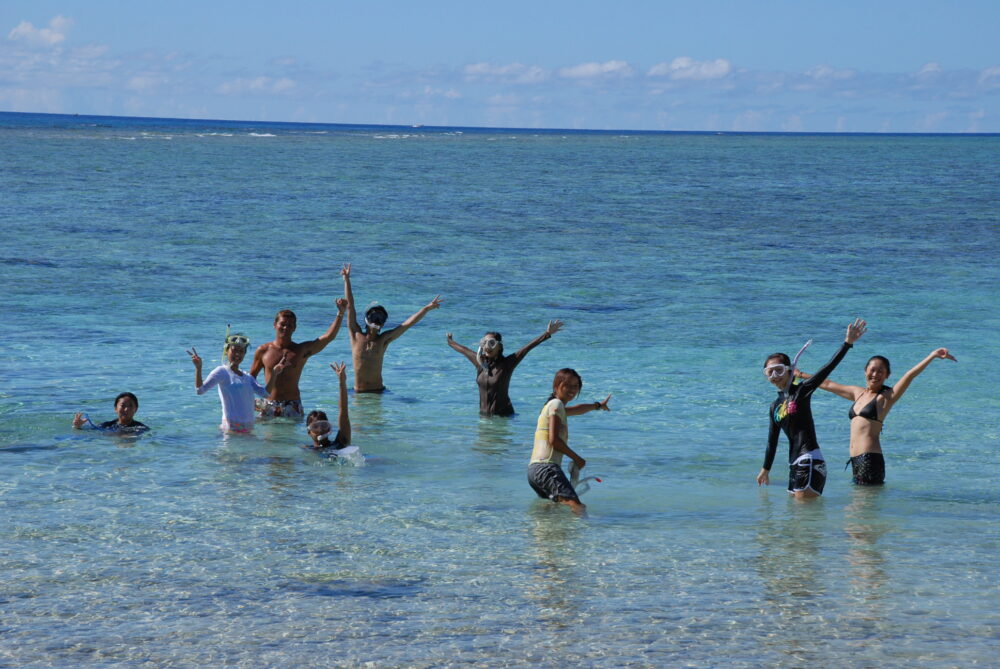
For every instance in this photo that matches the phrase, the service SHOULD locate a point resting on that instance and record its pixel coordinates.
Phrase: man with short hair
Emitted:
(285, 399)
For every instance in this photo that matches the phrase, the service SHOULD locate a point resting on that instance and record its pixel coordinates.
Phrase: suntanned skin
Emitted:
(865, 433)
(290, 357)
(368, 345)
(566, 392)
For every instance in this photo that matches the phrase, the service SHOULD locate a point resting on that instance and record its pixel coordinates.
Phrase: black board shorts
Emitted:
(549, 481)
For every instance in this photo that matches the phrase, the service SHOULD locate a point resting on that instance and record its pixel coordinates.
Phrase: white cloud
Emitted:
(517, 73)
(929, 69)
(688, 68)
(990, 77)
(43, 37)
(257, 85)
(610, 69)
(503, 100)
(827, 73)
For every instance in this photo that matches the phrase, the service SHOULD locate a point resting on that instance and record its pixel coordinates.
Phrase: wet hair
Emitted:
(380, 314)
(127, 394)
(561, 377)
(286, 312)
(315, 415)
(779, 356)
(888, 369)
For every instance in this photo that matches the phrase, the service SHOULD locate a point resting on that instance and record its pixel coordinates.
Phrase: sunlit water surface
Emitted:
(678, 263)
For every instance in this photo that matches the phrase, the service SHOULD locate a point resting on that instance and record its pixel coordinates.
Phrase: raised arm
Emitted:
(554, 327)
(196, 359)
(469, 354)
(906, 379)
(352, 314)
(318, 344)
(854, 332)
(397, 332)
(343, 419)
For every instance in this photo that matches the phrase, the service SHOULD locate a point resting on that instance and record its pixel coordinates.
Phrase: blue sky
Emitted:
(876, 66)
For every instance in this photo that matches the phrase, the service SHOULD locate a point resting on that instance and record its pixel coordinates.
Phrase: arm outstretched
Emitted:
(469, 354)
(397, 332)
(906, 379)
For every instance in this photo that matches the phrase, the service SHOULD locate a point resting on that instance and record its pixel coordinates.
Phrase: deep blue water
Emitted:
(678, 261)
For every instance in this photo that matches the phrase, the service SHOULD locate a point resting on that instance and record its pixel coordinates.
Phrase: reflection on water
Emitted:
(554, 535)
(496, 436)
(790, 565)
(865, 526)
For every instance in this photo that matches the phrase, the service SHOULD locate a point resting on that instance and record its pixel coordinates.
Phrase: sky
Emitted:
(712, 65)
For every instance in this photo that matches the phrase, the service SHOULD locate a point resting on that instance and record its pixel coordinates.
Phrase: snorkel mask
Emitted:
(320, 429)
(239, 340)
(376, 316)
(488, 343)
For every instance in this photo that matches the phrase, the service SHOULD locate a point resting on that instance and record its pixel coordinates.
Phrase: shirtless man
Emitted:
(290, 358)
(368, 345)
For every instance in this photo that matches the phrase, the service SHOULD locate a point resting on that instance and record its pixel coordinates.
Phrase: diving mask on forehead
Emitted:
(237, 340)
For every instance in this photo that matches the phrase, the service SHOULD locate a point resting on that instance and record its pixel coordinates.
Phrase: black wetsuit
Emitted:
(115, 426)
(494, 381)
(792, 413)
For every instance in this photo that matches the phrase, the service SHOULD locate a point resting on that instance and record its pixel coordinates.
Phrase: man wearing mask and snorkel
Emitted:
(284, 399)
(368, 345)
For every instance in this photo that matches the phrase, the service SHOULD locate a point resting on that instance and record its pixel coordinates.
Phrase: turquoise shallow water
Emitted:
(678, 263)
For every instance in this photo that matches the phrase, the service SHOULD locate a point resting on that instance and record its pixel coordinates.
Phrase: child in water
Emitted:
(319, 425)
(545, 474)
(126, 406)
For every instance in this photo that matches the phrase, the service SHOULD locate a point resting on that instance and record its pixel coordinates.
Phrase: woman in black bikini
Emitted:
(870, 405)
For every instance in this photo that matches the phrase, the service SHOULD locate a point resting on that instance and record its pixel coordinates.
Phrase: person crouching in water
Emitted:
(319, 425)
(545, 474)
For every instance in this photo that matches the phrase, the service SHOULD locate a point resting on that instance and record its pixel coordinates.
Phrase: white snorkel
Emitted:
(795, 364)
(580, 485)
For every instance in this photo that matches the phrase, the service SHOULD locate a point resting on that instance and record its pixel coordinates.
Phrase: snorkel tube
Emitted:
(580, 486)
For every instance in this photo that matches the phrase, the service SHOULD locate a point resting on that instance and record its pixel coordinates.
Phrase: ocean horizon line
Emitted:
(481, 129)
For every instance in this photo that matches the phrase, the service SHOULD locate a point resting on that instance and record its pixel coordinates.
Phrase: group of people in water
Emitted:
(791, 412)
(244, 399)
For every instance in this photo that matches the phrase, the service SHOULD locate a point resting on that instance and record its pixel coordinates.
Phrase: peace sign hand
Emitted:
(280, 366)
(195, 358)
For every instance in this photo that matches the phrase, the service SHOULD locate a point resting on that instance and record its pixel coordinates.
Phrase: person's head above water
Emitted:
(566, 385)
(375, 317)
(877, 370)
(126, 406)
(777, 369)
(315, 415)
(284, 323)
(491, 345)
(235, 347)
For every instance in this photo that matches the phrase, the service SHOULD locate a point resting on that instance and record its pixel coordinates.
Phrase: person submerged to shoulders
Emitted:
(320, 428)
(126, 406)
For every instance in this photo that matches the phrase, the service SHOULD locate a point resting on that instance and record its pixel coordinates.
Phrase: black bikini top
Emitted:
(869, 411)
